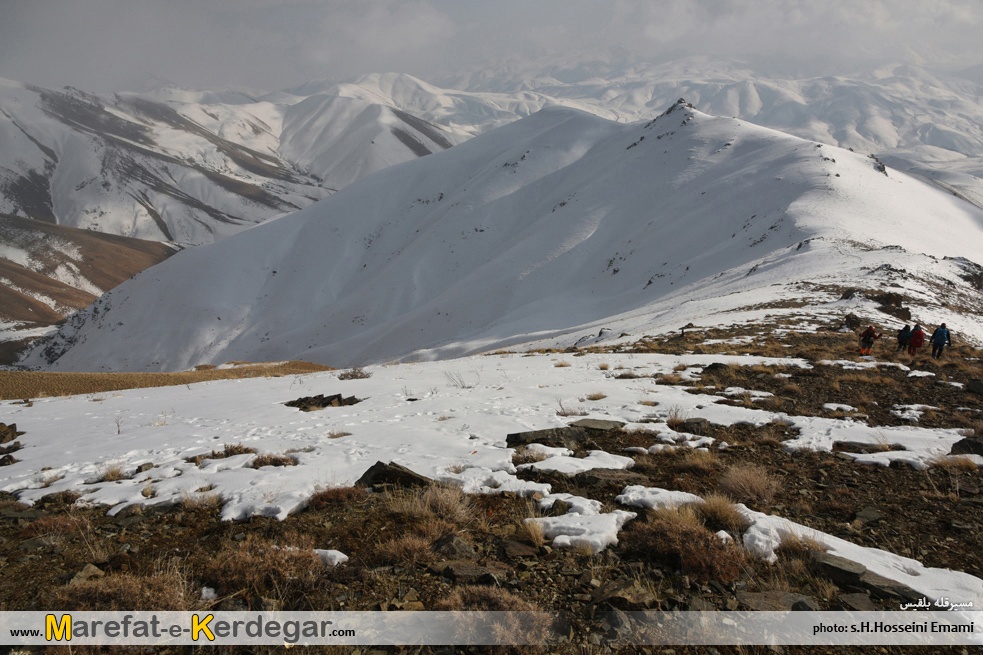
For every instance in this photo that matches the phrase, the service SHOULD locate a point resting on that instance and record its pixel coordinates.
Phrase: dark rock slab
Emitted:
(519, 550)
(569, 437)
(841, 571)
(770, 601)
(975, 386)
(967, 446)
(858, 602)
(868, 515)
(865, 448)
(597, 424)
(320, 401)
(465, 572)
(614, 477)
(885, 588)
(807, 605)
(453, 546)
(381, 473)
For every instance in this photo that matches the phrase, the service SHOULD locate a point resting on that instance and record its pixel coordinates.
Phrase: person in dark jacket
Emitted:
(940, 339)
(916, 340)
(867, 340)
(903, 337)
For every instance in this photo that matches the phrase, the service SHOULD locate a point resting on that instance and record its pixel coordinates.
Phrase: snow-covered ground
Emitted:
(447, 420)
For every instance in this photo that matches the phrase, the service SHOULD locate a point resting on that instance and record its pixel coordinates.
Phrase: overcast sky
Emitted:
(111, 45)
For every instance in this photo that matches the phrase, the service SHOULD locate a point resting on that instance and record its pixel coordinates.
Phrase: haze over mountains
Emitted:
(198, 167)
(551, 227)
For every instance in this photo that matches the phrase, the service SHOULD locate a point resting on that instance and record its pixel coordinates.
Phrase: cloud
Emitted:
(116, 44)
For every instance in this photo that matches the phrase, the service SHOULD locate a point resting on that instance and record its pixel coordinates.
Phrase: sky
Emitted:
(115, 45)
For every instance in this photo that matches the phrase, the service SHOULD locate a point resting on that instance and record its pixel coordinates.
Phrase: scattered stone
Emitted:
(519, 550)
(967, 446)
(858, 602)
(453, 546)
(320, 401)
(841, 571)
(620, 478)
(9, 432)
(569, 437)
(89, 572)
(597, 424)
(769, 601)
(868, 515)
(382, 473)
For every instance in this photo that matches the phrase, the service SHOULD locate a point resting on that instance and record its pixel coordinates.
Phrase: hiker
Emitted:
(940, 339)
(904, 336)
(867, 340)
(916, 340)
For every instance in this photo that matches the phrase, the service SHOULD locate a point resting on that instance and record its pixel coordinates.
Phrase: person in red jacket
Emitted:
(917, 339)
(867, 340)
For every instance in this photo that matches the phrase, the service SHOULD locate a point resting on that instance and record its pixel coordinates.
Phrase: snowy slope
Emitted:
(545, 228)
(188, 167)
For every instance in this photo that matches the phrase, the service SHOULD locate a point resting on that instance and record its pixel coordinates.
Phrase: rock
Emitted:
(7, 460)
(611, 477)
(89, 572)
(807, 605)
(518, 550)
(320, 401)
(381, 473)
(616, 622)
(852, 321)
(463, 572)
(569, 437)
(146, 466)
(858, 602)
(625, 594)
(453, 546)
(975, 386)
(769, 601)
(559, 507)
(695, 425)
(841, 571)
(597, 424)
(9, 432)
(881, 587)
(967, 446)
(865, 448)
(697, 604)
(868, 515)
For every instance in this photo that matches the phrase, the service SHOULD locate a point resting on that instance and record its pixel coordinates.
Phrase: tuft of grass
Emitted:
(603, 367)
(166, 589)
(719, 513)
(526, 455)
(326, 497)
(201, 501)
(531, 530)
(750, 484)
(953, 463)
(112, 473)
(409, 548)
(55, 525)
(271, 459)
(675, 418)
(228, 450)
(561, 364)
(597, 395)
(699, 460)
(354, 373)
(436, 501)
(569, 411)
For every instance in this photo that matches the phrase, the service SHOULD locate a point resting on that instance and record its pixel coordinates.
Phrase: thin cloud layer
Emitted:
(107, 45)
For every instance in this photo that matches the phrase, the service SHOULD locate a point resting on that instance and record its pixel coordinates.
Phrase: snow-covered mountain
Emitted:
(547, 229)
(190, 167)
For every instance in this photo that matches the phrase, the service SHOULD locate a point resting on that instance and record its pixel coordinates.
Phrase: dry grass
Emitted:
(699, 460)
(670, 378)
(55, 525)
(719, 513)
(597, 395)
(354, 373)
(649, 403)
(748, 484)
(228, 450)
(953, 463)
(675, 418)
(407, 549)
(272, 459)
(326, 497)
(15, 385)
(569, 411)
(263, 568)
(338, 434)
(519, 619)
(561, 364)
(112, 473)
(603, 367)
(436, 501)
(526, 455)
(531, 531)
(201, 501)
(166, 589)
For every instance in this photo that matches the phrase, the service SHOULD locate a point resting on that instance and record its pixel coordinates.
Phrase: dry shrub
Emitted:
(436, 501)
(675, 418)
(532, 531)
(649, 403)
(748, 484)
(569, 411)
(791, 389)
(228, 450)
(326, 497)
(112, 473)
(678, 538)
(55, 525)
(62, 498)
(270, 459)
(526, 455)
(953, 464)
(166, 589)
(436, 528)
(261, 568)
(669, 378)
(603, 367)
(773, 403)
(796, 546)
(338, 434)
(201, 501)
(407, 549)
(516, 620)
(719, 513)
(15, 505)
(354, 373)
(561, 364)
(597, 395)
(699, 460)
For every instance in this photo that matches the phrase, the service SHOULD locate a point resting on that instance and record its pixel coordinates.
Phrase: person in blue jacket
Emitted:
(940, 339)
